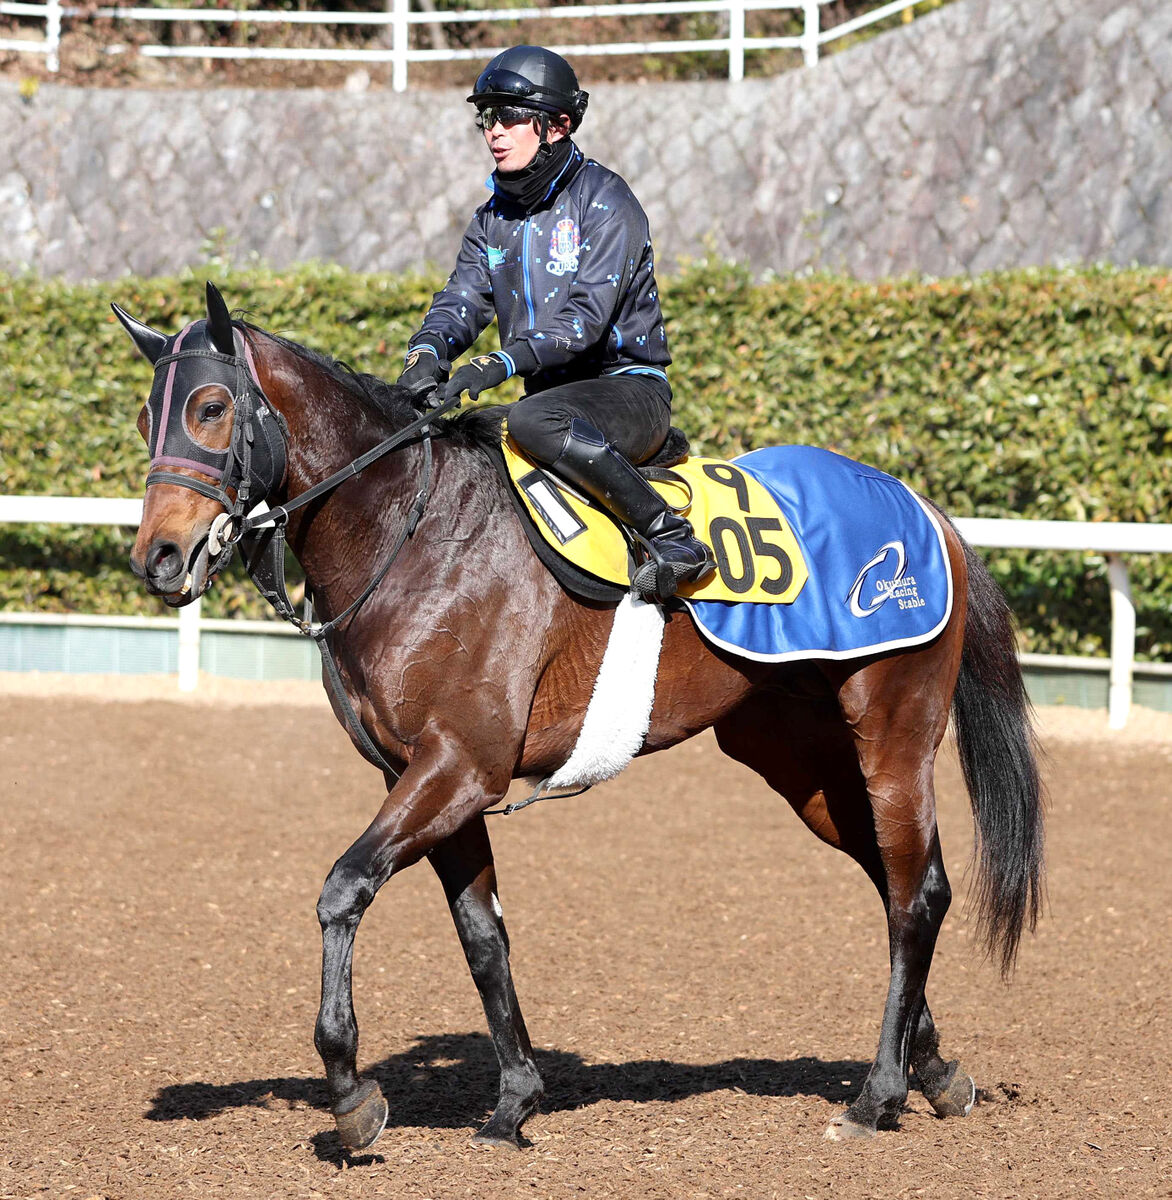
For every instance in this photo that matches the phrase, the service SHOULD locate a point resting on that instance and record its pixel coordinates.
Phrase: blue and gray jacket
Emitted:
(571, 283)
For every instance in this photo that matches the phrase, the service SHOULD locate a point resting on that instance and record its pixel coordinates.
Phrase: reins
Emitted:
(266, 568)
(259, 427)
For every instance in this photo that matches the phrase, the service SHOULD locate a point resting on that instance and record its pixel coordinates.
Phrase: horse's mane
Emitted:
(476, 429)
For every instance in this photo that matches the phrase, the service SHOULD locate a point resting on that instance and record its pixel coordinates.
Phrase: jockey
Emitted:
(561, 256)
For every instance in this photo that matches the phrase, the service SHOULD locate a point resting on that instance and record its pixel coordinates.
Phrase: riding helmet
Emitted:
(532, 77)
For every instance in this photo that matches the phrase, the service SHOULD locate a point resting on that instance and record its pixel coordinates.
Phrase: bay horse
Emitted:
(463, 664)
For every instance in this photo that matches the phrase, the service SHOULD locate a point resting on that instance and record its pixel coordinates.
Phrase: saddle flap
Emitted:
(758, 557)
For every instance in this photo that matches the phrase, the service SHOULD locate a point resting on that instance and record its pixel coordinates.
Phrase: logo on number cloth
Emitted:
(868, 596)
(564, 244)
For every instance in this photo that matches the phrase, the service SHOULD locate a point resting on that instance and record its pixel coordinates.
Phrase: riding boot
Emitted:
(674, 555)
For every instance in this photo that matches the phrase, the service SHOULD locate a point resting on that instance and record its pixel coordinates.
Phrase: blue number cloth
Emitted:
(879, 571)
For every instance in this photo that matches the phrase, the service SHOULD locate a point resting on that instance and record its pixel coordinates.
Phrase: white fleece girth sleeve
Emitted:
(619, 713)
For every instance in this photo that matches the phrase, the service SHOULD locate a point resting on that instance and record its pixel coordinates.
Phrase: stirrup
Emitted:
(659, 578)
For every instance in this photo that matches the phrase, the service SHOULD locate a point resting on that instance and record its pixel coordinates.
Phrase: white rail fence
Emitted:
(398, 18)
(1112, 539)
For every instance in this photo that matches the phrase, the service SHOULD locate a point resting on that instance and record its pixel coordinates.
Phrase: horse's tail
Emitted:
(998, 755)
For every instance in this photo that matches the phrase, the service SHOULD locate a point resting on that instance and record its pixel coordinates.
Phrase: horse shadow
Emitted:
(449, 1081)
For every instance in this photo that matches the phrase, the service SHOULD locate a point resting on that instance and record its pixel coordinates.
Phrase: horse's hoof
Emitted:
(489, 1138)
(361, 1117)
(843, 1129)
(956, 1097)
(493, 1134)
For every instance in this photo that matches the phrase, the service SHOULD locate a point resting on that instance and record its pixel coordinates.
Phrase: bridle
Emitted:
(249, 471)
(253, 465)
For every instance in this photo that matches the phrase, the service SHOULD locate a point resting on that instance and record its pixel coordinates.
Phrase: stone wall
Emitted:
(991, 133)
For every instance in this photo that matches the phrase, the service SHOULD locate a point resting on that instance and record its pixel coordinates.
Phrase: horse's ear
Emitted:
(150, 341)
(219, 322)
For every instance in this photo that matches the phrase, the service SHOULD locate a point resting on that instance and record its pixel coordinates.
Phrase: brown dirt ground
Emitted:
(703, 980)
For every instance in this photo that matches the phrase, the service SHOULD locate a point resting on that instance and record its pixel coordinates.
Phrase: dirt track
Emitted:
(703, 980)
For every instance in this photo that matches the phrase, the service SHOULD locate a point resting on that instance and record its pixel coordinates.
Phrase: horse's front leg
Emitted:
(436, 795)
(465, 868)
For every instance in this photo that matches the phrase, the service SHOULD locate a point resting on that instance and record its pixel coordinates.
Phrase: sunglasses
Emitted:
(504, 114)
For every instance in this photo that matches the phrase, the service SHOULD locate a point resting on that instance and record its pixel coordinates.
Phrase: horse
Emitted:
(462, 664)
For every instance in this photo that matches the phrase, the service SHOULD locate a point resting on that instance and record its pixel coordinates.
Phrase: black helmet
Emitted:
(532, 77)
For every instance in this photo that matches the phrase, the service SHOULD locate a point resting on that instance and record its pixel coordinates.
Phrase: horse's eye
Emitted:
(212, 411)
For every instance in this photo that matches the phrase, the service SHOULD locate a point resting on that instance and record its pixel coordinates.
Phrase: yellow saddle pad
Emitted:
(757, 555)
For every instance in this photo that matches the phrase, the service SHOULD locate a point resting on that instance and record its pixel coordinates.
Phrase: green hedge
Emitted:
(1026, 393)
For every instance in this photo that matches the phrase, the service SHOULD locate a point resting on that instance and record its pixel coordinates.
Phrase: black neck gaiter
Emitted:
(553, 166)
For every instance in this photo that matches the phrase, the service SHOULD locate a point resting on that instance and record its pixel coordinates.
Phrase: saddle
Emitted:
(591, 554)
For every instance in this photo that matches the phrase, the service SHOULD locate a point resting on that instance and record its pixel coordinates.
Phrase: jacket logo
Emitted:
(563, 247)
(496, 258)
(900, 587)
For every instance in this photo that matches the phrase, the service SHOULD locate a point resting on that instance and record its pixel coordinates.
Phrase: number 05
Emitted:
(750, 549)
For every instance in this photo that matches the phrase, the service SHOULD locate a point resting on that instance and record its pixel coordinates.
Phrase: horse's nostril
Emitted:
(164, 562)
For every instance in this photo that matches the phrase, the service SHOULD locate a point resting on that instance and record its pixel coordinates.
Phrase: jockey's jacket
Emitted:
(571, 282)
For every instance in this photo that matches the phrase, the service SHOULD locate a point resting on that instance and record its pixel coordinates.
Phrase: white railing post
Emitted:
(810, 12)
(1122, 643)
(397, 18)
(736, 41)
(400, 32)
(52, 34)
(189, 646)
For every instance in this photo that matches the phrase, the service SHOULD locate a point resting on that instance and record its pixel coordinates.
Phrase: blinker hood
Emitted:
(192, 360)
(169, 437)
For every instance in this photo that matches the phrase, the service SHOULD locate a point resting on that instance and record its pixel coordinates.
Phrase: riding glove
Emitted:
(424, 372)
(478, 375)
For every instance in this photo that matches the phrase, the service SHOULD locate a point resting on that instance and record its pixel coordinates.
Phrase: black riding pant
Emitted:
(633, 413)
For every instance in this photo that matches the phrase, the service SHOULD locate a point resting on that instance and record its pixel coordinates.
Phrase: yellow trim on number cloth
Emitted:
(758, 557)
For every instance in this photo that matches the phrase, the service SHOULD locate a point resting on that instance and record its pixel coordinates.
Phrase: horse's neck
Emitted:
(328, 428)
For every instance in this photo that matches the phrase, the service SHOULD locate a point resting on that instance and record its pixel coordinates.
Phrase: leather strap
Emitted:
(664, 475)
(334, 678)
(196, 485)
(419, 425)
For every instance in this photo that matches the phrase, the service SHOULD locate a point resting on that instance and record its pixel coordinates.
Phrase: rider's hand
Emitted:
(481, 373)
(424, 372)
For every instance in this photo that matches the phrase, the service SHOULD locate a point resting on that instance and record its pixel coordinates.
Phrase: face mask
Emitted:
(553, 166)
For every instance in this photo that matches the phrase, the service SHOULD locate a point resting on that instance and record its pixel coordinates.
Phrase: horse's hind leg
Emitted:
(465, 867)
(804, 750)
(945, 1086)
(897, 714)
(918, 898)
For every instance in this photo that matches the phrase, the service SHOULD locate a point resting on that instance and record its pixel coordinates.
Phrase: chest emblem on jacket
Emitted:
(496, 258)
(563, 247)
